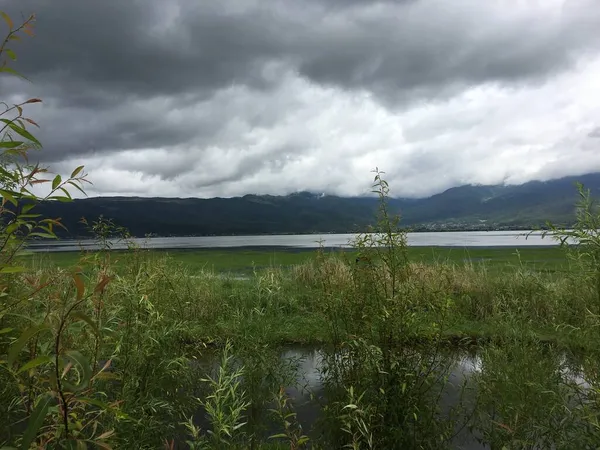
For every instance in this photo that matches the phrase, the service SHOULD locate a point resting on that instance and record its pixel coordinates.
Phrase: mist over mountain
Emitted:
(461, 208)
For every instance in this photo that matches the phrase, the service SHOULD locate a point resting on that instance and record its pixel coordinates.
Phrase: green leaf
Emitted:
(27, 208)
(76, 171)
(278, 436)
(29, 216)
(94, 402)
(66, 193)
(11, 54)
(12, 71)
(8, 20)
(86, 370)
(13, 269)
(56, 182)
(35, 363)
(11, 144)
(87, 319)
(75, 185)
(8, 196)
(21, 131)
(12, 176)
(12, 227)
(18, 345)
(43, 235)
(6, 330)
(36, 420)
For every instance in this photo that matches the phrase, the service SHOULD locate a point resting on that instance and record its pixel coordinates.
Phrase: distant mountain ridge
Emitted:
(464, 207)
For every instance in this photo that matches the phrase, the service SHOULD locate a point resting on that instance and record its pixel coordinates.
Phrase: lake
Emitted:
(426, 239)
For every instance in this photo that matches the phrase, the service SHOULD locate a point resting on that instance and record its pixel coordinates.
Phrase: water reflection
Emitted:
(460, 372)
(308, 394)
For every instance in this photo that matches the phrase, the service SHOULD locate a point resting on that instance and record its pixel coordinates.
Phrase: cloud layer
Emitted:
(204, 98)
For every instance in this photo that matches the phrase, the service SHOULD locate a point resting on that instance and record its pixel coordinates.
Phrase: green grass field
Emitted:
(243, 260)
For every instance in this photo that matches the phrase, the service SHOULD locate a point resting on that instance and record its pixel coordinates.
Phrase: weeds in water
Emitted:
(386, 329)
(356, 422)
(582, 241)
(226, 403)
(286, 419)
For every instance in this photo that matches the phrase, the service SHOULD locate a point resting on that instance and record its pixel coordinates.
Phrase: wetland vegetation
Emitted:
(144, 349)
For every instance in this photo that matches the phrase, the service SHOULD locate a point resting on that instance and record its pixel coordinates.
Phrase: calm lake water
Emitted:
(440, 239)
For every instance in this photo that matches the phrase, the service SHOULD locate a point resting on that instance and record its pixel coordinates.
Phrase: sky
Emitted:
(205, 98)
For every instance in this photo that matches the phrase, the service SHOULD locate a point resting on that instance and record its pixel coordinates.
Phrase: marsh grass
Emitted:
(244, 261)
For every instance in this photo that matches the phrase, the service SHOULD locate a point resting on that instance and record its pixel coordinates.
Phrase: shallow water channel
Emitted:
(308, 396)
(457, 388)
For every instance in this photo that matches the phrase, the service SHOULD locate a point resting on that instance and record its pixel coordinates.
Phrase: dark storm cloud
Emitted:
(429, 46)
(186, 80)
(152, 47)
(146, 47)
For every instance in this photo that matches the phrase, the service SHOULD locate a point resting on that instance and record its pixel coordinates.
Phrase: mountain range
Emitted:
(469, 207)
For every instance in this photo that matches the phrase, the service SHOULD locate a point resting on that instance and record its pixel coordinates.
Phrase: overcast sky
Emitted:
(203, 98)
